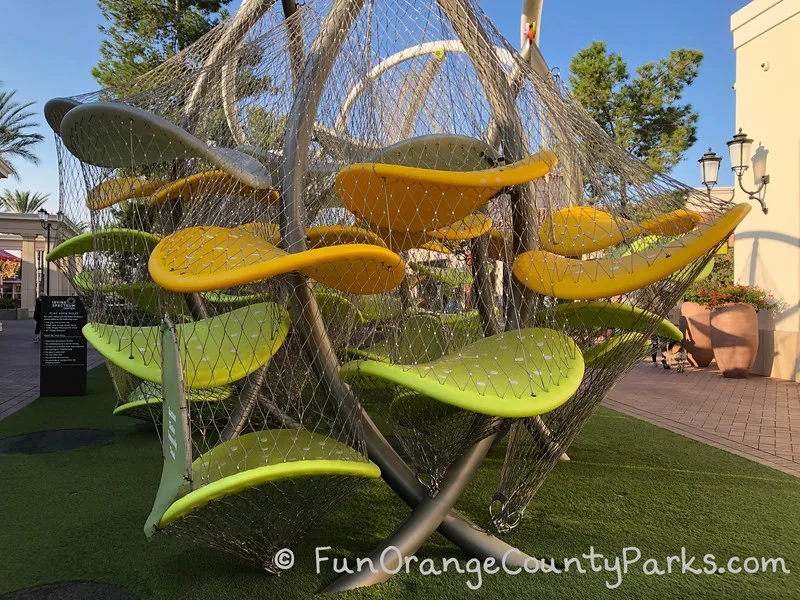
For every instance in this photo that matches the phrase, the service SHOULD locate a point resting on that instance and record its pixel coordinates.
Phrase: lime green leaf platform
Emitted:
(514, 374)
(146, 295)
(266, 457)
(613, 315)
(448, 276)
(106, 240)
(151, 394)
(214, 352)
(608, 353)
(379, 307)
(424, 337)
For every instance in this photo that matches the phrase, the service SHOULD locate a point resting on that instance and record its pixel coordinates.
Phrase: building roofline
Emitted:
(5, 169)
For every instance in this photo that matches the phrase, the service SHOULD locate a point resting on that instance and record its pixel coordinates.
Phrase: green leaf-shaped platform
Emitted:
(263, 457)
(514, 374)
(106, 240)
(613, 315)
(214, 352)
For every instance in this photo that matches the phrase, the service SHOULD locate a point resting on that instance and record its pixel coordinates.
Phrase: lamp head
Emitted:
(709, 168)
(739, 148)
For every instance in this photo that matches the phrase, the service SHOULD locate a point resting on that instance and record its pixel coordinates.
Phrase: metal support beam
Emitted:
(418, 527)
(309, 323)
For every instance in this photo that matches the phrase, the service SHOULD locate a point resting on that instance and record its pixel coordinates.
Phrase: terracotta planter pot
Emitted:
(734, 336)
(695, 324)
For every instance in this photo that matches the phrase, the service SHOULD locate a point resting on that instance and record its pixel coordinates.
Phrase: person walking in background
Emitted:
(37, 317)
(654, 347)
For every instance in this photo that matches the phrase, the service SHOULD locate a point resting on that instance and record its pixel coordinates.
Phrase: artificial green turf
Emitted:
(78, 515)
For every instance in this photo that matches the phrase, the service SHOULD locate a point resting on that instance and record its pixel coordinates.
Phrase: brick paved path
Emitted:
(758, 417)
(19, 366)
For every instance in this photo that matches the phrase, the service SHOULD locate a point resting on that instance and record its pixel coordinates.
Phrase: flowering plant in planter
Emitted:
(714, 296)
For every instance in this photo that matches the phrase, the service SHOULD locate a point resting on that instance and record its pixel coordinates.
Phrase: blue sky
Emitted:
(48, 49)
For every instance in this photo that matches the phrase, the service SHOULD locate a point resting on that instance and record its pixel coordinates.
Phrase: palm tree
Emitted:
(15, 140)
(22, 201)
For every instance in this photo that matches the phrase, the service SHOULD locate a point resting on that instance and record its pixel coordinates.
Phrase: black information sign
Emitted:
(63, 359)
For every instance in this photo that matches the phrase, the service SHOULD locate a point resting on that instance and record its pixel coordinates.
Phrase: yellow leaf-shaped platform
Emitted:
(214, 352)
(114, 191)
(582, 229)
(499, 247)
(676, 222)
(337, 235)
(201, 259)
(468, 228)
(411, 199)
(210, 183)
(575, 279)
(316, 237)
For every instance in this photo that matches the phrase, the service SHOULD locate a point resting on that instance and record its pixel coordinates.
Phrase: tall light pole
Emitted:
(44, 221)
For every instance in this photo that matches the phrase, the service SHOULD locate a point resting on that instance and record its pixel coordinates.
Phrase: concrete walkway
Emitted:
(758, 417)
(19, 366)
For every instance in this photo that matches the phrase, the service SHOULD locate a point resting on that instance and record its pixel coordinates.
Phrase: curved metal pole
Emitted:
(510, 133)
(294, 38)
(389, 557)
(482, 281)
(294, 34)
(310, 324)
(412, 533)
(399, 58)
(249, 11)
(432, 67)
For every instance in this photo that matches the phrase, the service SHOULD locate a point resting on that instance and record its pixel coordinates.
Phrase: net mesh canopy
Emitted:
(370, 206)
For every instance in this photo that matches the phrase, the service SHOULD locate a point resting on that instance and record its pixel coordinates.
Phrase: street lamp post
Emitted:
(739, 148)
(44, 221)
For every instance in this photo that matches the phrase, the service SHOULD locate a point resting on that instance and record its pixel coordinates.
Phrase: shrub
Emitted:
(722, 273)
(7, 303)
(714, 295)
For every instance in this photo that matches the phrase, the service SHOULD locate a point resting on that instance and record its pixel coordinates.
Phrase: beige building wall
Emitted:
(766, 37)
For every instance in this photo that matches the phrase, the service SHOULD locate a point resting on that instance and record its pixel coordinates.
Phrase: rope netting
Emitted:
(456, 240)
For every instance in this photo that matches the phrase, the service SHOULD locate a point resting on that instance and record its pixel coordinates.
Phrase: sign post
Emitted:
(62, 370)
